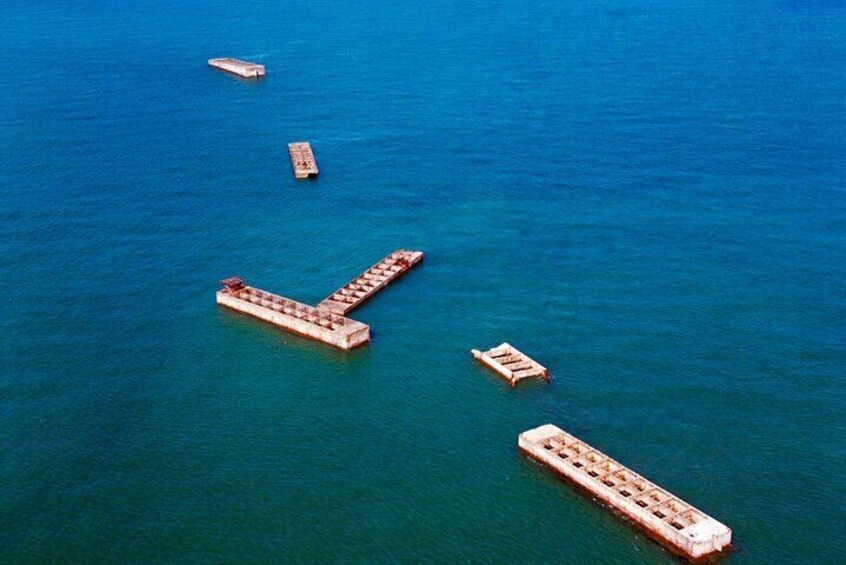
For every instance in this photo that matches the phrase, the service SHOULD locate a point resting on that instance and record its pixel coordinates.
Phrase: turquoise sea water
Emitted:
(647, 197)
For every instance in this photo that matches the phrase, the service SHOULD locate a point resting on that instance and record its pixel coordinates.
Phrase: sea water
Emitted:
(645, 197)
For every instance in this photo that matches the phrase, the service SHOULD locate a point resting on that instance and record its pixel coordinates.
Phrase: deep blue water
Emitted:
(647, 197)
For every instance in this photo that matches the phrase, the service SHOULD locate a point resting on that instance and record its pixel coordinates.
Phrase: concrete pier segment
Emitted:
(357, 291)
(293, 316)
(510, 363)
(681, 528)
(241, 68)
(302, 159)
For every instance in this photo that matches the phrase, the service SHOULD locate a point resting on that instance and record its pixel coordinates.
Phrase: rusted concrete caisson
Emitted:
(371, 281)
(293, 316)
(241, 68)
(511, 364)
(683, 529)
(302, 159)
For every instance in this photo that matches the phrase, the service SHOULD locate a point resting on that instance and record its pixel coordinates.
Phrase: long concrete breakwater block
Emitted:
(357, 291)
(290, 315)
(237, 67)
(677, 525)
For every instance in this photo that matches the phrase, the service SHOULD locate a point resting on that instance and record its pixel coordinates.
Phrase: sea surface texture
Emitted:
(649, 198)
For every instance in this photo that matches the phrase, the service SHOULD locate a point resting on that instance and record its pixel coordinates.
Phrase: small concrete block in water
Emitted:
(511, 364)
(241, 68)
(683, 529)
(302, 158)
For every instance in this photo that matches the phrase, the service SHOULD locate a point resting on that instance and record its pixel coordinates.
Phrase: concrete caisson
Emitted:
(241, 68)
(683, 529)
(293, 316)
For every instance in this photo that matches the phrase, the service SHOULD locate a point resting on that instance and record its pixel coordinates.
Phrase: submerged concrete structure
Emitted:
(371, 281)
(326, 322)
(683, 529)
(241, 68)
(510, 363)
(302, 158)
(293, 316)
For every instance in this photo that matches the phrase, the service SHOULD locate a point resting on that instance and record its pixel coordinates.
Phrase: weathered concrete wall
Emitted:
(700, 537)
(352, 335)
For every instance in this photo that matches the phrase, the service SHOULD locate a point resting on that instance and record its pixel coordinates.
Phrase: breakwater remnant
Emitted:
(241, 68)
(302, 158)
(681, 528)
(510, 363)
(371, 281)
(293, 316)
(325, 322)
